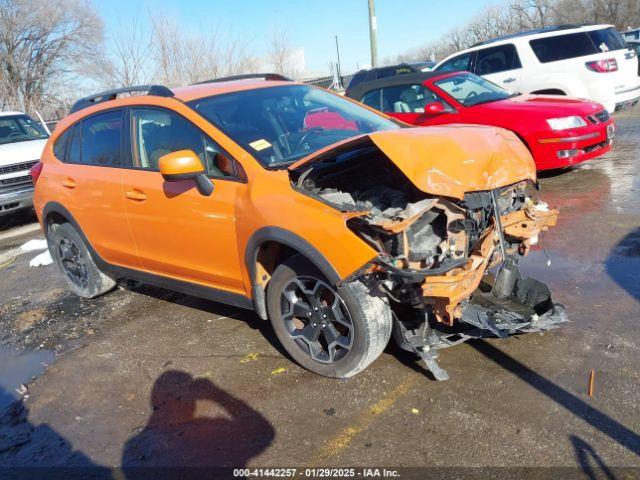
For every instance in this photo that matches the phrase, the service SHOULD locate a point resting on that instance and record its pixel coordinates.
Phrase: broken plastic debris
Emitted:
(22, 390)
(415, 411)
(542, 207)
(41, 260)
(33, 245)
(278, 371)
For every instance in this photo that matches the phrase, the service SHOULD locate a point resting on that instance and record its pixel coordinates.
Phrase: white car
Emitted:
(590, 62)
(22, 140)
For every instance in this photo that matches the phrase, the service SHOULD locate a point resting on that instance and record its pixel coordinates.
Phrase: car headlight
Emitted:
(563, 123)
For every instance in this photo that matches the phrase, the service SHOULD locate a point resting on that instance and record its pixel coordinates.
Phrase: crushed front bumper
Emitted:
(470, 302)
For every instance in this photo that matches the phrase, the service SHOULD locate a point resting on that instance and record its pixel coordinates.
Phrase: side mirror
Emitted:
(434, 108)
(185, 165)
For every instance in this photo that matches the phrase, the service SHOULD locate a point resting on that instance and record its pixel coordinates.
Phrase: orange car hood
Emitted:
(448, 160)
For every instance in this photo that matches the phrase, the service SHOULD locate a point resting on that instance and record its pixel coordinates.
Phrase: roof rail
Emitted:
(553, 28)
(247, 76)
(155, 90)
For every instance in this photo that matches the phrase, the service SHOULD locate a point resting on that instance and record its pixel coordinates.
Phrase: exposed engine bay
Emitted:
(449, 267)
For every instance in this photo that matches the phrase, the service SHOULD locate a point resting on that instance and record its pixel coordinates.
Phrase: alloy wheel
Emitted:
(316, 319)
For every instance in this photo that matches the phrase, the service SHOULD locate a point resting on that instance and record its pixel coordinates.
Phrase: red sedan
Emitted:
(559, 131)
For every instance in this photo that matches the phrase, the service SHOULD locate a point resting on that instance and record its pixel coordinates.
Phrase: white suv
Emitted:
(22, 140)
(590, 62)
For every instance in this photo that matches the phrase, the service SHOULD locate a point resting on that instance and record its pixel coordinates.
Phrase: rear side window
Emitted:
(607, 39)
(74, 149)
(60, 147)
(564, 47)
(497, 59)
(101, 139)
(456, 64)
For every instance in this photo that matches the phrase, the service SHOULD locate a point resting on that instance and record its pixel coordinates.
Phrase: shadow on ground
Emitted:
(623, 263)
(598, 420)
(175, 443)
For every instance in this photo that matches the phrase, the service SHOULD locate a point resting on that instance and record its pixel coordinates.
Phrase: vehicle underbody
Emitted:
(448, 267)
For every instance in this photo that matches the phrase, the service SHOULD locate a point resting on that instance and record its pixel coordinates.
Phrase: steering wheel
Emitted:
(470, 95)
(15, 134)
(306, 134)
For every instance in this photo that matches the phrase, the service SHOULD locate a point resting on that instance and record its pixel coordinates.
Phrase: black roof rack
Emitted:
(553, 28)
(155, 90)
(247, 76)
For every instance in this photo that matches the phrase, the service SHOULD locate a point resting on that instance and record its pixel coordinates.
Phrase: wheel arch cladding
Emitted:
(267, 248)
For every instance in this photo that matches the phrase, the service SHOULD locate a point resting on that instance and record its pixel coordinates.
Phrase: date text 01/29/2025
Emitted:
(316, 472)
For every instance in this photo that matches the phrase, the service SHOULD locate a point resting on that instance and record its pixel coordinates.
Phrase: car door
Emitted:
(90, 184)
(500, 65)
(179, 232)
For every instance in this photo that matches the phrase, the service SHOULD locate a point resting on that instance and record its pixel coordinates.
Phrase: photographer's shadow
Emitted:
(175, 437)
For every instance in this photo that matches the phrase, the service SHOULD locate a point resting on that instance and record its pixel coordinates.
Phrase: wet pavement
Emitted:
(144, 377)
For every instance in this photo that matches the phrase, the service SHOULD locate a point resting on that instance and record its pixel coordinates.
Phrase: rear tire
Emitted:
(82, 275)
(332, 332)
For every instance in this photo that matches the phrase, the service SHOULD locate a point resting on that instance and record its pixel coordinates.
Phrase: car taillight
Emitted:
(603, 66)
(35, 171)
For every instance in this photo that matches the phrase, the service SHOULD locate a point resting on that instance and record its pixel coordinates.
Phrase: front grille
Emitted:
(17, 167)
(602, 116)
(14, 180)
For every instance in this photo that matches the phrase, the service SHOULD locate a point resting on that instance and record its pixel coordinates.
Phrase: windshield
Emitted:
(20, 128)
(280, 125)
(469, 89)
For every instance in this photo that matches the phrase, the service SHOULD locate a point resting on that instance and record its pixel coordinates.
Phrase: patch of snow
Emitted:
(41, 260)
(33, 245)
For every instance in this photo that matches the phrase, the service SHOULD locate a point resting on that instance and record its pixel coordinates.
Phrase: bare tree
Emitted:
(40, 46)
(127, 62)
(281, 56)
(180, 58)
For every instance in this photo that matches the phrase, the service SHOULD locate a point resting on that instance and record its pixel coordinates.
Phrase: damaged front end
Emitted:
(449, 266)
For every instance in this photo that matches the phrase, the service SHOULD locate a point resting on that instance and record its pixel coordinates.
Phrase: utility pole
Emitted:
(373, 33)
(338, 69)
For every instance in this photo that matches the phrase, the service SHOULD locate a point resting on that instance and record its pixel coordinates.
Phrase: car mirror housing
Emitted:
(185, 165)
(434, 108)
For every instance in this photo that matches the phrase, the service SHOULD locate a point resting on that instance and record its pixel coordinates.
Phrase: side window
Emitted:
(101, 139)
(75, 145)
(497, 59)
(457, 64)
(59, 148)
(156, 132)
(372, 99)
(407, 98)
(562, 47)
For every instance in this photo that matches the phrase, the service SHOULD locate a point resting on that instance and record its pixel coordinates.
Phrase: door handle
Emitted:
(69, 183)
(509, 80)
(136, 195)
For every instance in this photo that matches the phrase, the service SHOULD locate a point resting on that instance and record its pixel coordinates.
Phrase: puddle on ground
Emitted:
(18, 368)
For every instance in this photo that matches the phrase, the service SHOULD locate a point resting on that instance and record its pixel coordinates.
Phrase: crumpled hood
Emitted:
(449, 160)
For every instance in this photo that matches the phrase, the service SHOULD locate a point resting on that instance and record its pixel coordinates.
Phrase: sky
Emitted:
(312, 24)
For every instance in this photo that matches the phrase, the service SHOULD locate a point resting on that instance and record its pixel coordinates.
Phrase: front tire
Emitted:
(82, 275)
(332, 332)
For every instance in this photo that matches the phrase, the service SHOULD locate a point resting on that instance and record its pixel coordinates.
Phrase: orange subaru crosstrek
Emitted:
(338, 224)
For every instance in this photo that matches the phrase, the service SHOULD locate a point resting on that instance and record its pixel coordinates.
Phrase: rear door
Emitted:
(179, 232)
(89, 184)
(500, 65)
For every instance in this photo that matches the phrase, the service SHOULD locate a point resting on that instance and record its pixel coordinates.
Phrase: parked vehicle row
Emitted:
(21, 142)
(558, 131)
(589, 62)
(339, 225)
